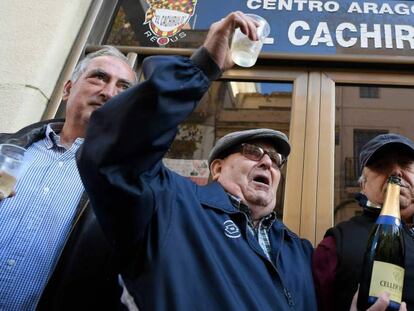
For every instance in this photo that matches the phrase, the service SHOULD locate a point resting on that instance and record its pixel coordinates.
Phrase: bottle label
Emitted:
(388, 220)
(387, 277)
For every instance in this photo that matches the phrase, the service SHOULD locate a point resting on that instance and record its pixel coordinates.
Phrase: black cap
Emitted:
(378, 143)
(278, 139)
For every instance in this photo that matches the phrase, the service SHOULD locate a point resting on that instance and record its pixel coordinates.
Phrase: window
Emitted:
(361, 137)
(229, 106)
(358, 120)
(368, 92)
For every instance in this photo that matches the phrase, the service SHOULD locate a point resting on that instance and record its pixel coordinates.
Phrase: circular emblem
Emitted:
(231, 230)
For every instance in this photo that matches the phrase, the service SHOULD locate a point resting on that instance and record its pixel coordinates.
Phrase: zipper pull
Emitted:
(288, 297)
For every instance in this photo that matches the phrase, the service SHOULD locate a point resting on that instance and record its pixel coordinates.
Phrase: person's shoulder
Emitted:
(4, 137)
(27, 134)
(350, 224)
(35, 126)
(289, 234)
(356, 228)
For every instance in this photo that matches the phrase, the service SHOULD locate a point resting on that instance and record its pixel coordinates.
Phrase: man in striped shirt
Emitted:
(50, 241)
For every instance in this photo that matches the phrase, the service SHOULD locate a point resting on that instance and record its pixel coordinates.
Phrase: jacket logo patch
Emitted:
(231, 230)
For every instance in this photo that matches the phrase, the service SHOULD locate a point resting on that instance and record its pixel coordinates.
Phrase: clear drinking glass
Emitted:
(245, 52)
(11, 160)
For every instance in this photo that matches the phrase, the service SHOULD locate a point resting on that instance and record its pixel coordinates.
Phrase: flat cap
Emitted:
(378, 143)
(231, 140)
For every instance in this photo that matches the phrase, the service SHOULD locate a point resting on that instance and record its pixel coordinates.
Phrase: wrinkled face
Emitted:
(397, 162)
(104, 77)
(254, 182)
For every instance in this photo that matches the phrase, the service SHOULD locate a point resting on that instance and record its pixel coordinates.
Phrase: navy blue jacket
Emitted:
(184, 247)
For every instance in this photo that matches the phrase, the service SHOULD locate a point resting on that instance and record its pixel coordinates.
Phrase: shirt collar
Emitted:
(266, 221)
(53, 138)
(365, 203)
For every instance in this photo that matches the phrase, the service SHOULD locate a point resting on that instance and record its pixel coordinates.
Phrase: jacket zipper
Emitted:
(286, 291)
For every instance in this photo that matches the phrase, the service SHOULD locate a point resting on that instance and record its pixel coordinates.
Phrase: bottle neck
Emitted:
(391, 206)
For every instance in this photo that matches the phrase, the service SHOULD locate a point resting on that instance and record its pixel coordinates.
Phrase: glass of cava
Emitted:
(245, 52)
(11, 160)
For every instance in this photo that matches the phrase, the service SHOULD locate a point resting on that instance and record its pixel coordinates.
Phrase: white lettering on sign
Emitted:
(253, 4)
(404, 33)
(380, 8)
(269, 4)
(322, 35)
(293, 38)
(300, 33)
(346, 34)
(290, 5)
(375, 34)
(388, 36)
(340, 35)
(332, 6)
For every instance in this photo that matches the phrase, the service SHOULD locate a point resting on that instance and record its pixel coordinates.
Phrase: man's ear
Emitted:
(362, 183)
(66, 90)
(215, 169)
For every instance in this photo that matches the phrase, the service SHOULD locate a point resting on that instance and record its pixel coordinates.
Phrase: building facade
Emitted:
(332, 75)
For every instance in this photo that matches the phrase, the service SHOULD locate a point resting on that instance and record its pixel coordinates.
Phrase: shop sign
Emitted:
(166, 19)
(325, 27)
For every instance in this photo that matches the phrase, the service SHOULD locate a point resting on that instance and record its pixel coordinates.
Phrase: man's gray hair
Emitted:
(107, 50)
(361, 179)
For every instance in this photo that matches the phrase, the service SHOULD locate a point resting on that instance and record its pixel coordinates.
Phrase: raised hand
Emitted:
(217, 40)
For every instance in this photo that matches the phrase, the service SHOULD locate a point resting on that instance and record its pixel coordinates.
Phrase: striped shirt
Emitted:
(35, 223)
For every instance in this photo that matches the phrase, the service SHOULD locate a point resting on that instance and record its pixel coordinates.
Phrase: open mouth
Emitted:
(262, 179)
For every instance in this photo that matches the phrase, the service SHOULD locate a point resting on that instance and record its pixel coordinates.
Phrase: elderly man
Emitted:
(50, 241)
(338, 259)
(187, 247)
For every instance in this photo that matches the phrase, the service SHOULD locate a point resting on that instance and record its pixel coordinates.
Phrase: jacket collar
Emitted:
(214, 196)
(28, 135)
(369, 209)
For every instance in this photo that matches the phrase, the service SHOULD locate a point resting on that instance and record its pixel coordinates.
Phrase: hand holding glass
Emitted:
(11, 160)
(245, 52)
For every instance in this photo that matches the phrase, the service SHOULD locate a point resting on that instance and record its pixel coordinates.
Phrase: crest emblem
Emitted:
(231, 230)
(167, 17)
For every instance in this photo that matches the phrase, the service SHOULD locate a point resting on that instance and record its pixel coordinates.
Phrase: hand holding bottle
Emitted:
(380, 305)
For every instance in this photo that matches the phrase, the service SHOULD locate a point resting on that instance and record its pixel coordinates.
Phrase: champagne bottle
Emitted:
(383, 267)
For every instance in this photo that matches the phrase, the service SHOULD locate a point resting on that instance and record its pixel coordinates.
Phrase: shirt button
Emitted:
(60, 163)
(11, 262)
(45, 189)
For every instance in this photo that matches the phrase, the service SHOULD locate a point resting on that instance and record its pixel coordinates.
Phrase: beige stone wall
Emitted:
(36, 38)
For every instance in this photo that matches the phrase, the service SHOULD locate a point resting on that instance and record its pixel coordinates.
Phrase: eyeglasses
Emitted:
(256, 153)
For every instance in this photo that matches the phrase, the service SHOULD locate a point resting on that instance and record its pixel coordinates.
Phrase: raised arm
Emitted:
(127, 138)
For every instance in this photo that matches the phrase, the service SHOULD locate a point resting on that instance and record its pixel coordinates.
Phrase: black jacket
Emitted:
(351, 238)
(85, 276)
